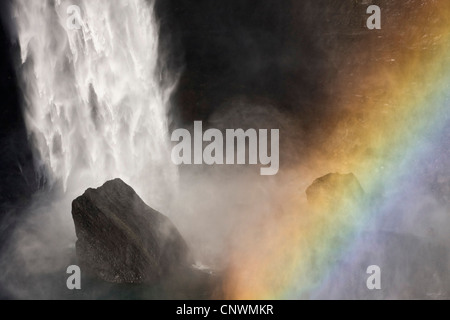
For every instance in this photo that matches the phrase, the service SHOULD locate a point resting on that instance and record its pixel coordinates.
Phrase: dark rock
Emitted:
(122, 240)
(335, 190)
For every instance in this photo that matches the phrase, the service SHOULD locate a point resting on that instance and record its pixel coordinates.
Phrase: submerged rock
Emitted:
(122, 240)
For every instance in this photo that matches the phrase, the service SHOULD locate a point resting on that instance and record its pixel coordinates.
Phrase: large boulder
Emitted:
(122, 240)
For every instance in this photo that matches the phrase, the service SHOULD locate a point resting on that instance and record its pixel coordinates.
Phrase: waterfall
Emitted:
(95, 108)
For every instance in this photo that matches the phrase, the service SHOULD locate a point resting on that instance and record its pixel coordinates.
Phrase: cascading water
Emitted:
(95, 108)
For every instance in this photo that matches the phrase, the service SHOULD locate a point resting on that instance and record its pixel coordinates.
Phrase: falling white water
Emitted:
(95, 108)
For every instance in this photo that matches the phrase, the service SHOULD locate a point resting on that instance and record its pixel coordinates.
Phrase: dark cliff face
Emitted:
(260, 51)
(122, 240)
(282, 53)
(18, 180)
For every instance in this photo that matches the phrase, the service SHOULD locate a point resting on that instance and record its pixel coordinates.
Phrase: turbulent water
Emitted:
(95, 108)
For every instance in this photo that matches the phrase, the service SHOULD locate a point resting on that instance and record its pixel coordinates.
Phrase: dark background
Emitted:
(273, 51)
(18, 180)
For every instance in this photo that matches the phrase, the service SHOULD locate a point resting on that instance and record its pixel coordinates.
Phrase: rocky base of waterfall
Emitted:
(121, 240)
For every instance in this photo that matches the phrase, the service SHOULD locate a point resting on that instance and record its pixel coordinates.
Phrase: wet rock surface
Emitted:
(122, 240)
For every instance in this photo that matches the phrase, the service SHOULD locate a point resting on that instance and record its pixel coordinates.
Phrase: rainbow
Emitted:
(392, 117)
